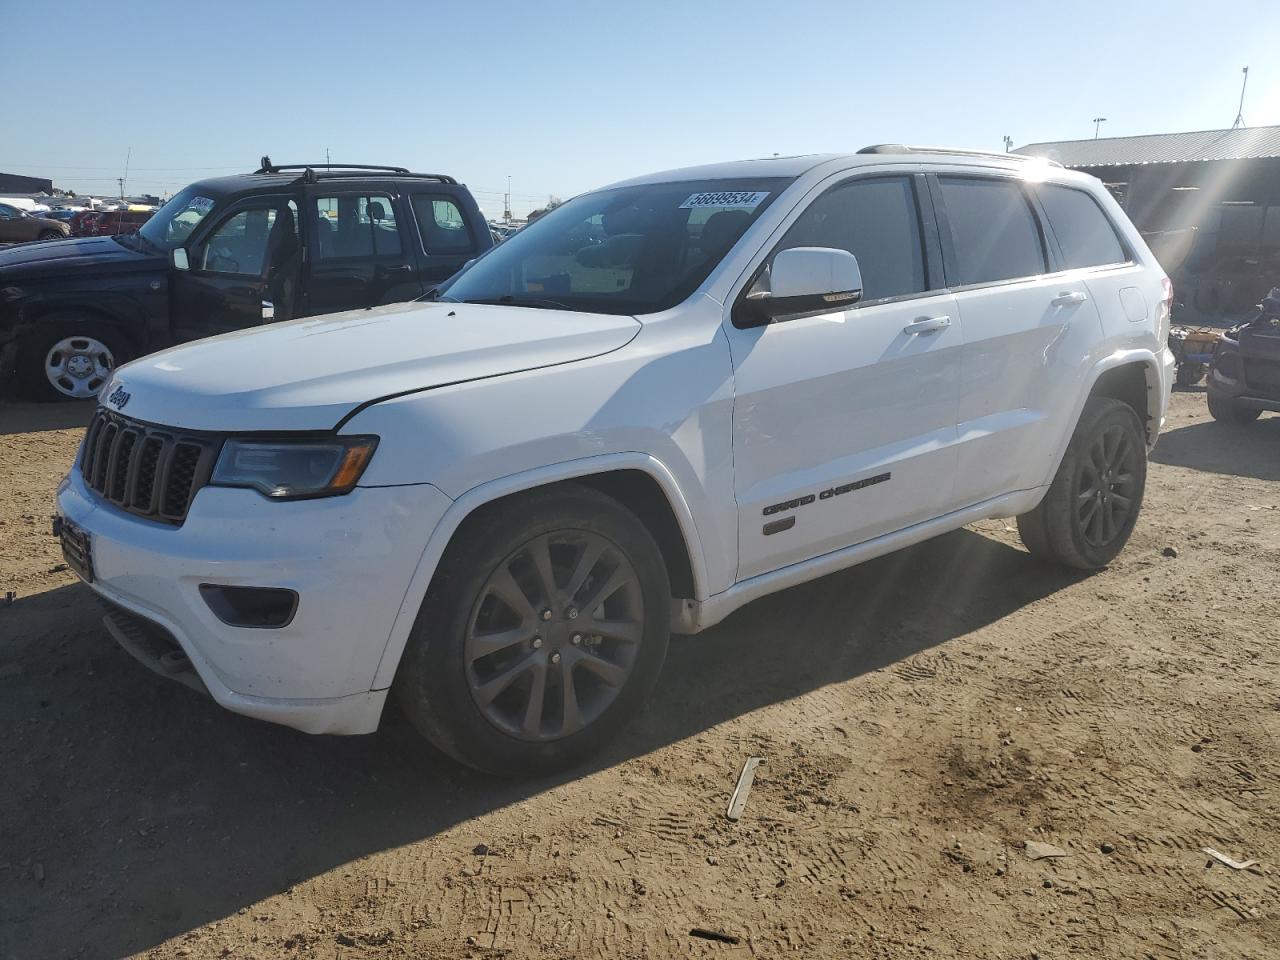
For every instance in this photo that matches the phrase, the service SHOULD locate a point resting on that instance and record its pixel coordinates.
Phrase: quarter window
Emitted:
(1084, 233)
(993, 231)
(356, 227)
(877, 221)
(443, 228)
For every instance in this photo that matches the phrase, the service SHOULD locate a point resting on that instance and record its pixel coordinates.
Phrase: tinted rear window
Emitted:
(1083, 232)
(993, 231)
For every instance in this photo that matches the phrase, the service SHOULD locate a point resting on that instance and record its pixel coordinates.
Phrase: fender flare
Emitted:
(491, 490)
(1119, 358)
(120, 310)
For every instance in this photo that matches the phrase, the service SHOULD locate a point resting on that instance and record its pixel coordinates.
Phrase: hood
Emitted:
(36, 261)
(308, 374)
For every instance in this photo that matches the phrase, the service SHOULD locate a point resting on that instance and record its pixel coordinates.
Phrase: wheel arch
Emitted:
(638, 481)
(1131, 376)
(124, 317)
(1135, 382)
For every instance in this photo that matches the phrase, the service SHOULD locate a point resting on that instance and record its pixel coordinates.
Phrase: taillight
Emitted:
(1165, 320)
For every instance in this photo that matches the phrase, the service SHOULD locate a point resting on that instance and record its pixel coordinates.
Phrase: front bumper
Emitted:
(349, 558)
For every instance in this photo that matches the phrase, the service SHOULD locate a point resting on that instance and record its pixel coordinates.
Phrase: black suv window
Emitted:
(993, 230)
(240, 244)
(352, 227)
(443, 228)
(1084, 233)
(876, 220)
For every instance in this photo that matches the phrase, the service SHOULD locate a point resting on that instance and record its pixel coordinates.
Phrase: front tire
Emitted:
(1086, 517)
(1226, 410)
(51, 235)
(541, 635)
(69, 358)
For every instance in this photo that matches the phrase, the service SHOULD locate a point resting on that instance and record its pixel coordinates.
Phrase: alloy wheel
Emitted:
(1107, 488)
(553, 635)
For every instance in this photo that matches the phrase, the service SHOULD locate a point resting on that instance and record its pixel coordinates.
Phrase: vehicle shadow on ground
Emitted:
(20, 416)
(1248, 450)
(153, 812)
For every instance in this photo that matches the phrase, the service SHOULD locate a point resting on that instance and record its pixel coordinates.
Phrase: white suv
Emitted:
(656, 403)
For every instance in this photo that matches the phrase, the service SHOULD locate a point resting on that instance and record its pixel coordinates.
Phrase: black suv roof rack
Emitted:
(315, 171)
(904, 148)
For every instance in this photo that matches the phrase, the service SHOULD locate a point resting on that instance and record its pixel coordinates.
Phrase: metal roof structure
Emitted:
(1244, 143)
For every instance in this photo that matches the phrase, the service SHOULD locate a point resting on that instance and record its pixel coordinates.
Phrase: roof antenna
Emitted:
(1239, 122)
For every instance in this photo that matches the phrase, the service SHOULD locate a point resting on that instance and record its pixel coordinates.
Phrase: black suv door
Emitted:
(243, 271)
(359, 254)
(446, 237)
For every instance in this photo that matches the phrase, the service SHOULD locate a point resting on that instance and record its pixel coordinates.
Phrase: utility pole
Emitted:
(506, 203)
(326, 157)
(1008, 143)
(120, 180)
(125, 179)
(1097, 122)
(1239, 121)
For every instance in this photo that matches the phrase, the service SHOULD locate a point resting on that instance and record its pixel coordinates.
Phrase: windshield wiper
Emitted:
(512, 301)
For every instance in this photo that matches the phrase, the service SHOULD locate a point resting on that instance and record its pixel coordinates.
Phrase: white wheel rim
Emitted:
(77, 367)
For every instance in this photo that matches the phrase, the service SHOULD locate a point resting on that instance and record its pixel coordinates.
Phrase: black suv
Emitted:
(285, 241)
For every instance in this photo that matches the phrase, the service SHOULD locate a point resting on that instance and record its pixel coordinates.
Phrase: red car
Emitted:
(80, 222)
(112, 222)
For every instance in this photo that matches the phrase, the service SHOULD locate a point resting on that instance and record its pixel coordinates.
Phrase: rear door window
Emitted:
(356, 227)
(994, 232)
(1083, 232)
(442, 225)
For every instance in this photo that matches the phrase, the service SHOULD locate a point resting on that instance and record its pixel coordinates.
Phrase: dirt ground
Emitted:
(921, 717)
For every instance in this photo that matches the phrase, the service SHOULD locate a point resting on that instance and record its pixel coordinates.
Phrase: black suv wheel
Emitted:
(542, 633)
(1086, 517)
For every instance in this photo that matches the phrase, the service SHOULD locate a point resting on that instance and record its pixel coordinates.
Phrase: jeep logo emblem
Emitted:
(119, 396)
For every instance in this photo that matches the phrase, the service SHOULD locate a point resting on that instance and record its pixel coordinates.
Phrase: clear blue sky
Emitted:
(565, 96)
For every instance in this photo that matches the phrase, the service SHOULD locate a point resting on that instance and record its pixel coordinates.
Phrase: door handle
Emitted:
(268, 310)
(926, 325)
(1068, 298)
(398, 268)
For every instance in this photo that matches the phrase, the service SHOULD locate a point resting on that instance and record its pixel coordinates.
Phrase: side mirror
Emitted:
(178, 257)
(804, 281)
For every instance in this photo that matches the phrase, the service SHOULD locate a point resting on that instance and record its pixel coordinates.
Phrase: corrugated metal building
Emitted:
(1208, 203)
(15, 183)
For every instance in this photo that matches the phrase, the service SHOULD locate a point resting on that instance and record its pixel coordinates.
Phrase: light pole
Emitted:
(1097, 122)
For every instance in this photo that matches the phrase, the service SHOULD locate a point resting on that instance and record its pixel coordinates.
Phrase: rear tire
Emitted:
(90, 350)
(1086, 517)
(1226, 410)
(515, 678)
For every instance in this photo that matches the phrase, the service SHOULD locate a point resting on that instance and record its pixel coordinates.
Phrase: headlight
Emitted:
(294, 469)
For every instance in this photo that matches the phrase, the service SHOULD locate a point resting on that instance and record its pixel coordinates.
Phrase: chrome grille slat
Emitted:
(149, 471)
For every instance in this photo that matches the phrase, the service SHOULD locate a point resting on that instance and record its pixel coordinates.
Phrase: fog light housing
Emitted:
(262, 608)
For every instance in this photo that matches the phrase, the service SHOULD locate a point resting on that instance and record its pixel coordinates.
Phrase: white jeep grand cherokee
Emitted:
(658, 402)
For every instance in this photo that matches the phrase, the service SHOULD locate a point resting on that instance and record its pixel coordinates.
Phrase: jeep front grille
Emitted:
(149, 471)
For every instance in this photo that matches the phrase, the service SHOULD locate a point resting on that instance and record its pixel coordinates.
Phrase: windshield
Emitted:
(630, 250)
(172, 224)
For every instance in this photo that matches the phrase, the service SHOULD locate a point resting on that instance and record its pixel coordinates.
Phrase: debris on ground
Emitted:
(1227, 861)
(716, 935)
(739, 799)
(1170, 552)
(1044, 851)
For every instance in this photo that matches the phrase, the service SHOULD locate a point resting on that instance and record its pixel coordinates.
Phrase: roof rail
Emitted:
(311, 172)
(269, 167)
(904, 148)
